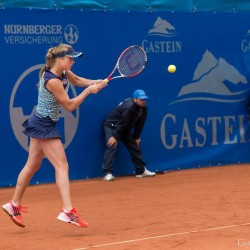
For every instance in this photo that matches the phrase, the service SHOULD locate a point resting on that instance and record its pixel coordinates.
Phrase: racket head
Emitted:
(132, 61)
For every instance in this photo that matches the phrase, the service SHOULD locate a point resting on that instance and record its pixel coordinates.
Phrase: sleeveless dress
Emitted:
(42, 124)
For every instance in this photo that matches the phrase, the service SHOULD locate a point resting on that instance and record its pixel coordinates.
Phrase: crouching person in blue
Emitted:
(125, 123)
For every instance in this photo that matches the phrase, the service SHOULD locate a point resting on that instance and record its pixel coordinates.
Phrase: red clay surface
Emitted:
(196, 209)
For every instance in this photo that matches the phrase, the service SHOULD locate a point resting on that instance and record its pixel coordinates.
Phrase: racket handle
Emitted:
(106, 80)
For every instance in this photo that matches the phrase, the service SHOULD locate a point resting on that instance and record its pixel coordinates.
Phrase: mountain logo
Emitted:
(162, 28)
(215, 80)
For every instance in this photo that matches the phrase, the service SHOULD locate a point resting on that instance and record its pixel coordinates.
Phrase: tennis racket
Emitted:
(130, 63)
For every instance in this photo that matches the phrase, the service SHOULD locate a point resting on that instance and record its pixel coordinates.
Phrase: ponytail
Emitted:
(50, 59)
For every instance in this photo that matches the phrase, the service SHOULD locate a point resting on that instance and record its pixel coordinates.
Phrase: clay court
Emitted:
(196, 209)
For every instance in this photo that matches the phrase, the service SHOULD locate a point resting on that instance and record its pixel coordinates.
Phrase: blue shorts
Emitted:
(41, 127)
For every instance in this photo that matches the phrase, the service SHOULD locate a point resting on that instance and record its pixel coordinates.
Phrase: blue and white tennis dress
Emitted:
(42, 124)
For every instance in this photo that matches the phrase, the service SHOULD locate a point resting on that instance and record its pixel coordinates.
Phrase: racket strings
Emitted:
(132, 61)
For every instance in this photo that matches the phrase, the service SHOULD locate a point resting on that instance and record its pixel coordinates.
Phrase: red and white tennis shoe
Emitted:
(73, 218)
(15, 212)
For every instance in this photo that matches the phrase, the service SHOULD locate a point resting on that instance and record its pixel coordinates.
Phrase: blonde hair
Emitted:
(50, 56)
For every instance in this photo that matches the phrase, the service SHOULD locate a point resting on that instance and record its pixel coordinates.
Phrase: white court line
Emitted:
(162, 236)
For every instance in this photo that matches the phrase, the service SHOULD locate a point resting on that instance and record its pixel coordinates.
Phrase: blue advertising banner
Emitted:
(142, 5)
(198, 116)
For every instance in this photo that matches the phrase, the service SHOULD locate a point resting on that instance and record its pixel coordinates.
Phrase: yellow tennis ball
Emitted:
(171, 68)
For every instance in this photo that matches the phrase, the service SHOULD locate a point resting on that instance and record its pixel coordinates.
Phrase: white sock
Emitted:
(14, 203)
(66, 211)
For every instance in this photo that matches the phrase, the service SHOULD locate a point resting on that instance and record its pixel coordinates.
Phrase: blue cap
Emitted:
(70, 52)
(140, 94)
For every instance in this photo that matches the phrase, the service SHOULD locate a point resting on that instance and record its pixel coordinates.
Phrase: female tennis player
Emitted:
(45, 139)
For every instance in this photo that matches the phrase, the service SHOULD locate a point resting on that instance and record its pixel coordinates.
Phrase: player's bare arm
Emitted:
(55, 86)
(78, 81)
(83, 82)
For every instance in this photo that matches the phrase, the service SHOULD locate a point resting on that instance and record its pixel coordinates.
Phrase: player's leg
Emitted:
(14, 207)
(32, 165)
(54, 151)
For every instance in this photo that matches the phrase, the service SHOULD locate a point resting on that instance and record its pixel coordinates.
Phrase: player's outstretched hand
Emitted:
(97, 86)
(100, 83)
